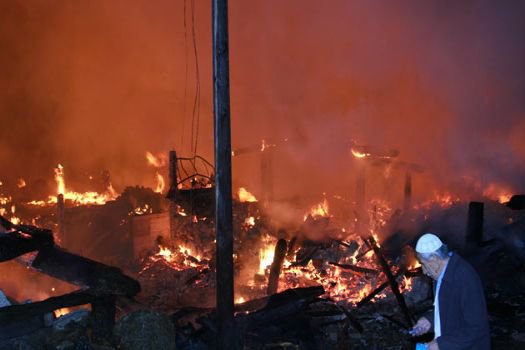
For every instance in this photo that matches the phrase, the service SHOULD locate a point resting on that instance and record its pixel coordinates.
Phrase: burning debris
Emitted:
(328, 279)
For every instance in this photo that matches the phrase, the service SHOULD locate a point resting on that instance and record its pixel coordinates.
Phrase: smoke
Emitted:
(95, 84)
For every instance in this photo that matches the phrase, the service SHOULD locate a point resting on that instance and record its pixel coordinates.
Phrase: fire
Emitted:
(239, 300)
(59, 178)
(157, 161)
(245, 196)
(266, 254)
(14, 219)
(250, 221)
(178, 259)
(61, 312)
(181, 211)
(359, 154)
(166, 253)
(160, 183)
(21, 183)
(5, 199)
(497, 192)
(406, 284)
(319, 210)
(76, 198)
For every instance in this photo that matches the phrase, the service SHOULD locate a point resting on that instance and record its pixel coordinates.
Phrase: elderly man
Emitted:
(459, 318)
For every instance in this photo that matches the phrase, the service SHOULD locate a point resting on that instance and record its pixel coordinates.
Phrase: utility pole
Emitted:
(223, 176)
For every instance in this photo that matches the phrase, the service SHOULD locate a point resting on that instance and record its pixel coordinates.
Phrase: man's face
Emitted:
(430, 266)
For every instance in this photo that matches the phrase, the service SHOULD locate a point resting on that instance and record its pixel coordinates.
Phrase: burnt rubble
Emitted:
(176, 304)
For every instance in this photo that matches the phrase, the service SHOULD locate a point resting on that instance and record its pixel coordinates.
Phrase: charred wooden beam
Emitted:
(270, 315)
(391, 280)
(75, 269)
(308, 293)
(275, 269)
(23, 240)
(411, 273)
(172, 193)
(352, 321)
(26, 311)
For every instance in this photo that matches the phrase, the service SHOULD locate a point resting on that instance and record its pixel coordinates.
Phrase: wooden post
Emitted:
(223, 177)
(172, 193)
(391, 280)
(60, 220)
(277, 264)
(474, 235)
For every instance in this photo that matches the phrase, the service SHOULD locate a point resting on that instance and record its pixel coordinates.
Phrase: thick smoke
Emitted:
(94, 84)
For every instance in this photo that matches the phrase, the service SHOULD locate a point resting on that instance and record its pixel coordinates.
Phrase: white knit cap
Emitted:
(428, 243)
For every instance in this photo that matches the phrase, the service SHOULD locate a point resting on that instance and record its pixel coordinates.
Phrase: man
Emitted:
(459, 318)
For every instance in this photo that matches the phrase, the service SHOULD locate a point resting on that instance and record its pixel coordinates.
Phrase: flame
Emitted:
(111, 191)
(250, 221)
(145, 209)
(498, 193)
(157, 161)
(76, 198)
(359, 154)
(245, 196)
(266, 254)
(160, 183)
(14, 219)
(59, 178)
(178, 259)
(166, 253)
(406, 284)
(239, 300)
(21, 183)
(181, 211)
(5, 199)
(61, 312)
(318, 210)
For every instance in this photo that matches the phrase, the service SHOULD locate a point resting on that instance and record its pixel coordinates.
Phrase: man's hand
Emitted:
(433, 345)
(422, 326)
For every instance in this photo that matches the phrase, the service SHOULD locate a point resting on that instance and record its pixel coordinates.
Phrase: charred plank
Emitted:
(100, 278)
(275, 269)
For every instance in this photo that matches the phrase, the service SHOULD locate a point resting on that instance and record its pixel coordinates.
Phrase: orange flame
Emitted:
(59, 178)
(359, 154)
(157, 161)
(498, 193)
(61, 312)
(160, 183)
(245, 196)
(266, 254)
(21, 183)
(318, 210)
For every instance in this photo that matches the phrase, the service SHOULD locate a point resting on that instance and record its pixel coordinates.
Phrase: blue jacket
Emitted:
(462, 309)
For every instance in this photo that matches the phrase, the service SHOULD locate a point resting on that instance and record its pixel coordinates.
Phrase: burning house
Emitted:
(125, 225)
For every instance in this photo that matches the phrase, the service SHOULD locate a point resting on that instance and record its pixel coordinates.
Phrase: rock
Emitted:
(144, 330)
